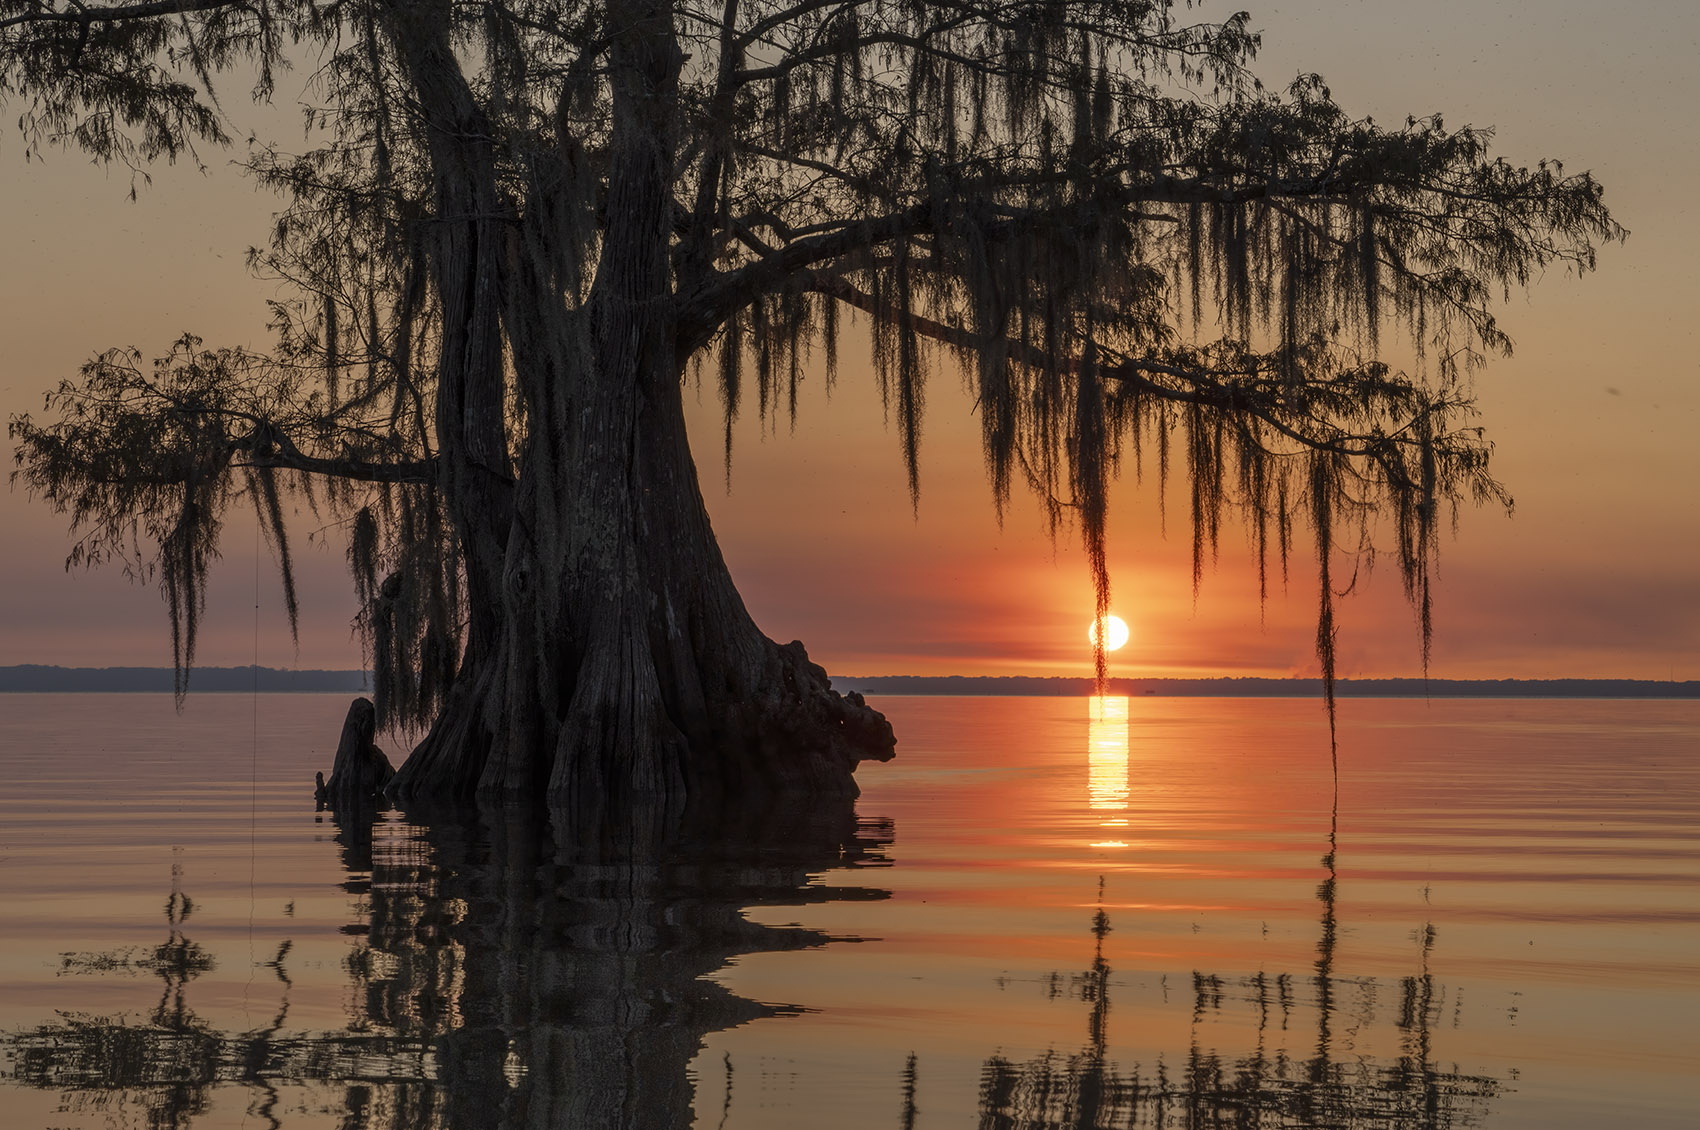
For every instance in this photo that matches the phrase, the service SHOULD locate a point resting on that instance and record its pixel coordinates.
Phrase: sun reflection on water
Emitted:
(1107, 745)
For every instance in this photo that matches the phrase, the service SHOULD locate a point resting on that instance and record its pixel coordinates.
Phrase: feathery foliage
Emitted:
(1131, 249)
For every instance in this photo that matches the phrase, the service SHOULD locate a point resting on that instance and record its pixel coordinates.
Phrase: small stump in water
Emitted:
(360, 771)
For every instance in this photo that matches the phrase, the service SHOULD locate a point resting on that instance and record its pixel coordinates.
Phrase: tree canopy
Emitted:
(1135, 252)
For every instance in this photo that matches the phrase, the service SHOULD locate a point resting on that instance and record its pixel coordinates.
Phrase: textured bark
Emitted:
(625, 674)
(466, 245)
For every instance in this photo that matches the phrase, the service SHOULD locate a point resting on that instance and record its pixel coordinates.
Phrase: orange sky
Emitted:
(1597, 574)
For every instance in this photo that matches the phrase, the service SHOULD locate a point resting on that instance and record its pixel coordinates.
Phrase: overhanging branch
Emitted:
(84, 15)
(422, 472)
(1212, 388)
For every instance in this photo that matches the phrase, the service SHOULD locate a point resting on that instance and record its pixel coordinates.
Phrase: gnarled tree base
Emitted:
(617, 670)
(622, 742)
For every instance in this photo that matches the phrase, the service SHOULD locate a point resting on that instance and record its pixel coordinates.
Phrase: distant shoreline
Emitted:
(1252, 687)
(40, 679)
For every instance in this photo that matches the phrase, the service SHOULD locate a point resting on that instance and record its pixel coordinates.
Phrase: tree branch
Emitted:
(83, 15)
(422, 472)
(1210, 387)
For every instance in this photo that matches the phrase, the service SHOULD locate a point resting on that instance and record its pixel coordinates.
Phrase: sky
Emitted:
(1594, 418)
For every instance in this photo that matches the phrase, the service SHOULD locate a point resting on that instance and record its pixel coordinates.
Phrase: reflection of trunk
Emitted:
(502, 981)
(563, 985)
(630, 671)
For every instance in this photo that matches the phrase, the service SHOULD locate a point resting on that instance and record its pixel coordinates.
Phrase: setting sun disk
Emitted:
(1115, 634)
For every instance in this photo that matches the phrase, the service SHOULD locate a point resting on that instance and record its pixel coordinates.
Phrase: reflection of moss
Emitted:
(85, 1051)
(105, 1064)
(1266, 1088)
(1083, 1091)
(102, 961)
(177, 958)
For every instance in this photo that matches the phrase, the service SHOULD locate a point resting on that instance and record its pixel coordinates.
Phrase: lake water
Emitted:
(1045, 913)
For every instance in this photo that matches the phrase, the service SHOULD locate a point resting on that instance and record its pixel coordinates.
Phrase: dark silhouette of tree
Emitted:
(524, 223)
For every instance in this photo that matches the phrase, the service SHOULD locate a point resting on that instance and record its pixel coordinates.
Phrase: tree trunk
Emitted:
(633, 678)
(633, 675)
(466, 245)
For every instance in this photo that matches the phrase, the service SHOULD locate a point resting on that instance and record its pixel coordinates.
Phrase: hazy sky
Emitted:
(1594, 418)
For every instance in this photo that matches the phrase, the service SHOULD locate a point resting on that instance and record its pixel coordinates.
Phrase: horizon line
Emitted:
(37, 678)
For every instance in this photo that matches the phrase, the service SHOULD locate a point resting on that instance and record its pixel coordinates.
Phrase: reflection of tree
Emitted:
(165, 1065)
(1268, 1087)
(501, 979)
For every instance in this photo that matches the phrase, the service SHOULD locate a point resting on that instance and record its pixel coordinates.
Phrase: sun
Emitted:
(1115, 636)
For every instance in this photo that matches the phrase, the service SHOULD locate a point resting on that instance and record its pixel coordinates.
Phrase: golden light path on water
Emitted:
(1107, 751)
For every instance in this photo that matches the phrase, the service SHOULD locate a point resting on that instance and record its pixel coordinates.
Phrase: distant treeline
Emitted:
(1272, 688)
(32, 678)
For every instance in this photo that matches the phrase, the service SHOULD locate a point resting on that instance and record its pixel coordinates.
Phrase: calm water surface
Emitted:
(1046, 912)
